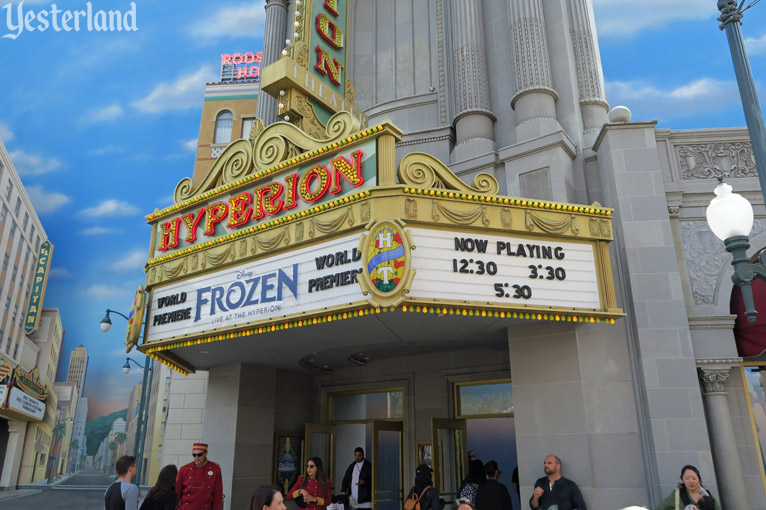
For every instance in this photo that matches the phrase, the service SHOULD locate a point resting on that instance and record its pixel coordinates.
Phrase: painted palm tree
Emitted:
(58, 432)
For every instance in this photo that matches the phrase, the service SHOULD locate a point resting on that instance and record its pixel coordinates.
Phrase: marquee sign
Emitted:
(39, 283)
(25, 404)
(290, 192)
(312, 278)
(135, 319)
(30, 383)
(504, 270)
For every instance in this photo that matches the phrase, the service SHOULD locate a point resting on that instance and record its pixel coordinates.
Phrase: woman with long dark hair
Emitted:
(424, 491)
(163, 495)
(267, 498)
(313, 487)
(689, 492)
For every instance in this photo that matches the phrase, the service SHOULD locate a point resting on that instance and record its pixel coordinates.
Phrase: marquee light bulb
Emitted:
(288, 42)
(296, 35)
(281, 92)
(287, 118)
(297, 3)
(284, 53)
(281, 105)
(297, 24)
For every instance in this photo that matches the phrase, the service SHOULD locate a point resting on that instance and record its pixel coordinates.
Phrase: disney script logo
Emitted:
(244, 274)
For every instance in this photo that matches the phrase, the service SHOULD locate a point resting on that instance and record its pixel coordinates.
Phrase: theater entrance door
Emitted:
(450, 456)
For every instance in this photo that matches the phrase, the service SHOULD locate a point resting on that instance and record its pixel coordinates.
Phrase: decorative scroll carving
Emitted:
(706, 259)
(420, 169)
(411, 208)
(714, 379)
(269, 146)
(269, 244)
(674, 211)
(600, 227)
(243, 248)
(327, 227)
(505, 217)
(312, 125)
(350, 94)
(460, 217)
(441, 61)
(709, 160)
(364, 212)
(302, 54)
(218, 257)
(234, 163)
(171, 270)
(299, 231)
(552, 226)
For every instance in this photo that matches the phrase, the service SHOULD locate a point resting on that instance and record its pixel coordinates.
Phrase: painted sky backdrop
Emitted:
(101, 126)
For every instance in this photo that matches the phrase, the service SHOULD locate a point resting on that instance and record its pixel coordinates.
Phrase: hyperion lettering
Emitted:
(247, 207)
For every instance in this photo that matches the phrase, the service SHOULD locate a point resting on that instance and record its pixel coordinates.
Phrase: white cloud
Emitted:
(184, 93)
(107, 149)
(232, 21)
(101, 291)
(649, 102)
(131, 262)
(5, 133)
(30, 164)
(628, 17)
(97, 231)
(59, 273)
(754, 47)
(190, 145)
(111, 207)
(46, 201)
(102, 114)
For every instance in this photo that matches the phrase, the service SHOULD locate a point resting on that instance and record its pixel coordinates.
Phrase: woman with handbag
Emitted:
(312, 490)
(423, 496)
(690, 494)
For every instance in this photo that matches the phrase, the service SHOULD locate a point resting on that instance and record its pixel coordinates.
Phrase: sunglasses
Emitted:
(198, 454)
(310, 465)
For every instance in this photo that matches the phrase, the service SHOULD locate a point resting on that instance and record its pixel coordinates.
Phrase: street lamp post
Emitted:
(138, 450)
(729, 215)
(731, 14)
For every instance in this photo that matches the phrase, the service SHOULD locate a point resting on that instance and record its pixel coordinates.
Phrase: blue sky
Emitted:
(101, 127)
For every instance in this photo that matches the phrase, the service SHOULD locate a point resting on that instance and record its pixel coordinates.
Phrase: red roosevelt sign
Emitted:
(251, 206)
(241, 62)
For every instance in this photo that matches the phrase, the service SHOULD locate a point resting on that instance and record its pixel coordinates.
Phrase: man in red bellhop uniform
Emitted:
(199, 485)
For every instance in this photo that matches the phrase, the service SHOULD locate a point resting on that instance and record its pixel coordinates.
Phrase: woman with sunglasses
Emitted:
(313, 487)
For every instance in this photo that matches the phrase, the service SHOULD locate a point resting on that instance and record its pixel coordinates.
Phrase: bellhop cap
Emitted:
(199, 446)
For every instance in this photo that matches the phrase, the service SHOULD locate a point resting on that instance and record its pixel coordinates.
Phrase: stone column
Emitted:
(534, 99)
(728, 470)
(473, 120)
(590, 78)
(274, 37)
(17, 431)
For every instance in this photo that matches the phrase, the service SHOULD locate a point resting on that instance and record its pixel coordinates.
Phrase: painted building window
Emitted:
(4, 213)
(16, 349)
(17, 208)
(14, 273)
(247, 125)
(6, 257)
(9, 190)
(26, 220)
(378, 405)
(13, 229)
(484, 399)
(223, 125)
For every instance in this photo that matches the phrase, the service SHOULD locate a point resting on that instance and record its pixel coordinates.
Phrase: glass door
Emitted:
(387, 460)
(320, 442)
(450, 451)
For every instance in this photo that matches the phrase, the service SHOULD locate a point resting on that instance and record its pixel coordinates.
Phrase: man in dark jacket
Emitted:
(357, 483)
(493, 495)
(555, 490)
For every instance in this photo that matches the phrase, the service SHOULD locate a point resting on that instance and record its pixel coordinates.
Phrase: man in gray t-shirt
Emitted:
(122, 494)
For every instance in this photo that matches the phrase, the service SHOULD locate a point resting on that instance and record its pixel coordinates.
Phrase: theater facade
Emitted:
(435, 239)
